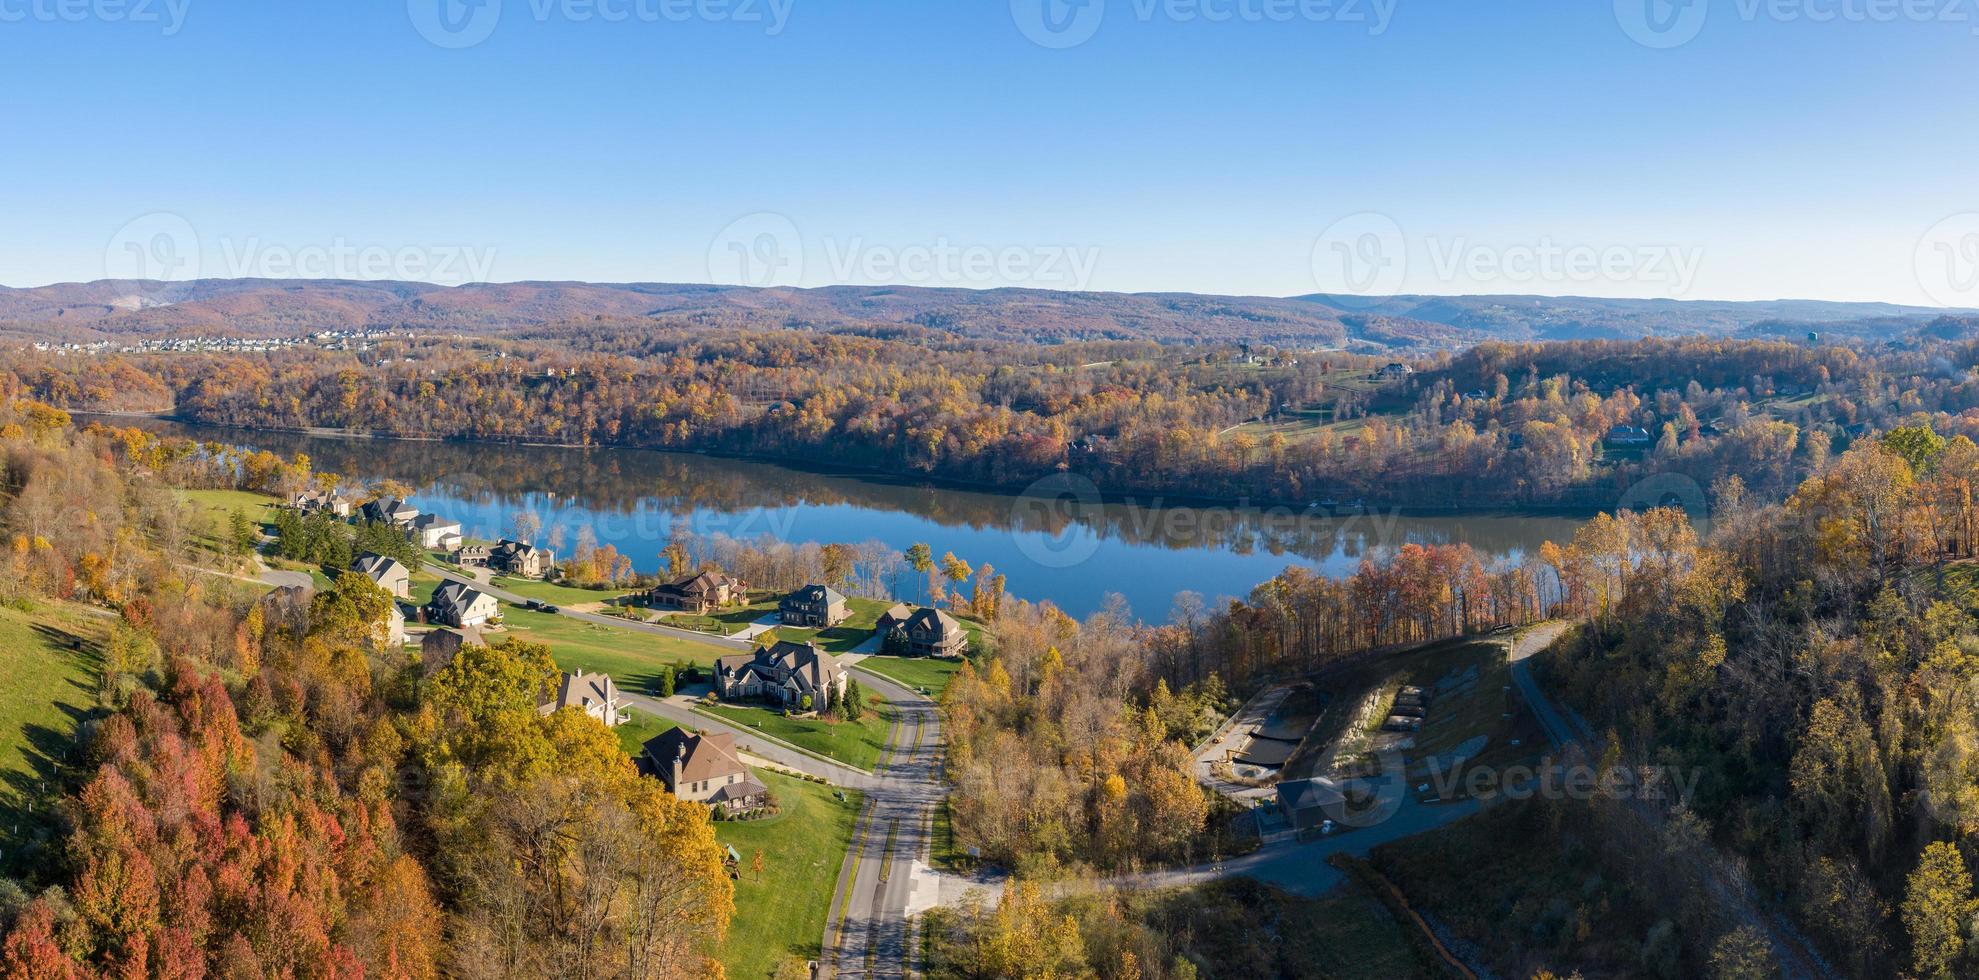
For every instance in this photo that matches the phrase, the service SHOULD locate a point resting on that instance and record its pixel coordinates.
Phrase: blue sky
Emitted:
(1531, 146)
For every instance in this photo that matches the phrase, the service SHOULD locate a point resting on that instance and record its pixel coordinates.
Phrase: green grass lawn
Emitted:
(213, 508)
(643, 725)
(632, 658)
(557, 595)
(855, 743)
(783, 914)
(914, 672)
(51, 658)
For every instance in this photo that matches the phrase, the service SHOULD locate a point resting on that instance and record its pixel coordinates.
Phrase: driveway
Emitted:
(726, 644)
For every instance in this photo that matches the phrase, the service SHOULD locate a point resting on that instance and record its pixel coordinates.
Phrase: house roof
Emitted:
(749, 787)
(581, 690)
(455, 596)
(806, 663)
(815, 594)
(1303, 794)
(377, 567)
(430, 522)
(926, 619)
(701, 584)
(702, 756)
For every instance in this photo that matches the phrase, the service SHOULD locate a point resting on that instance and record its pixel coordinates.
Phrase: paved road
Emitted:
(1558, 730)
(726, 644)
(869, 932)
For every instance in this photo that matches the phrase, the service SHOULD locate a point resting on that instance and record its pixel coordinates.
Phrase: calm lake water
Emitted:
(1059, 543)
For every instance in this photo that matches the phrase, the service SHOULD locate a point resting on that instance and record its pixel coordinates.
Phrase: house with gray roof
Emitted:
(785, 674)
(927, 632)
(813, 607)
(388, 573)
(460, 606)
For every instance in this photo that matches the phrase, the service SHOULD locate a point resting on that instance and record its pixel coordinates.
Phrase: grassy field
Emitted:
(855, 743)
(643, 725)
(51, 658)
(214, 508)
(915, 672)
(783, 914)
(558, 595)
(632, 658)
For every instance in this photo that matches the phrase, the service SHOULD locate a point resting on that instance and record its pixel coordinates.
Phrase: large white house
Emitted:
(461, 606)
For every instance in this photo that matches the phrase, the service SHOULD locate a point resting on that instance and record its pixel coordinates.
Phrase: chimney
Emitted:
(679, 767)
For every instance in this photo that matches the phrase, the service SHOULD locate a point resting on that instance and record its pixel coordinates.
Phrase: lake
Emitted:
(1060, 542)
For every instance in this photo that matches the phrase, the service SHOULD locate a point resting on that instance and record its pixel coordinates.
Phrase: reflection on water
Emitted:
(1071, 550)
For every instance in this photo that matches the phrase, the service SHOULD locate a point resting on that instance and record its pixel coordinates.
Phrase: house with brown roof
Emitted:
(594, 694)
(784, 674)
(699, 594)
(813, 607)
(519, 558)
(704, 768)
(926, 632)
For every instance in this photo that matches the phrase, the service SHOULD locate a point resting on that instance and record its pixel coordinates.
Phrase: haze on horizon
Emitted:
(1373, 146)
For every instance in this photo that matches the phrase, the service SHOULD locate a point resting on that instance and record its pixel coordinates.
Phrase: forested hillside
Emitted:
(263, 786)
(1500, 425)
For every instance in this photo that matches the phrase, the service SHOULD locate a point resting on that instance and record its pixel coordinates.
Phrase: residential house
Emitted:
(438, 647)
(389, 510)
(433, 532)
(784, 674)
(517, 558)
(458, 605)
(395, 628)
(593, 694)
(813, 606)
(1393, 370)
(928, 632)
(471, 555)
(699, 594)
(389, 573)
(1627, 435)
(704, 767)
(336, 504)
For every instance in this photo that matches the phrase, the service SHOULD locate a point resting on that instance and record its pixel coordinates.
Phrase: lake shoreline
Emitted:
(887, 477)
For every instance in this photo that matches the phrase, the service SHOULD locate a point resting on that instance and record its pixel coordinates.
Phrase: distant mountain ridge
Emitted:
(113, 308)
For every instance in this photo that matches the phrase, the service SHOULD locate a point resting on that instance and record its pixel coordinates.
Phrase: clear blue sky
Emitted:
(1784, 158)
